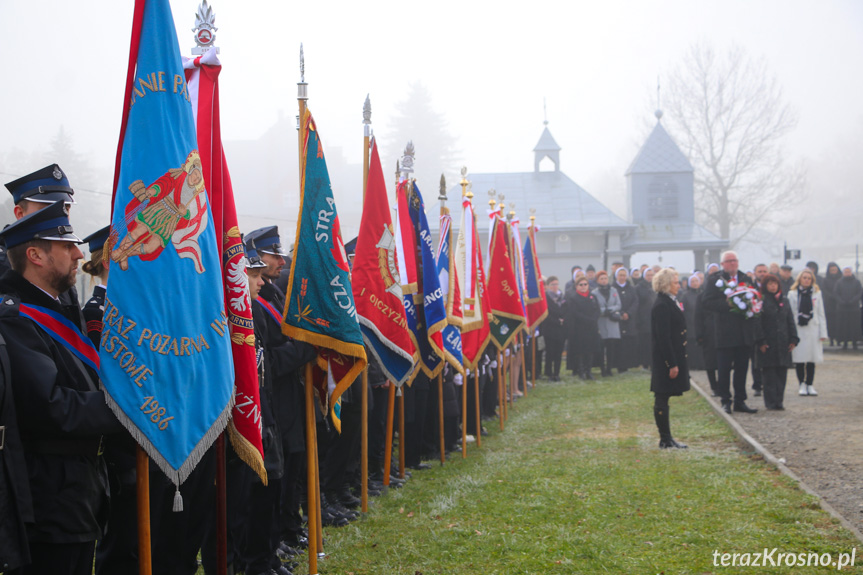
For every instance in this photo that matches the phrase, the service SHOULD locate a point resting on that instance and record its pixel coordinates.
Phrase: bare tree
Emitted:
(728, 114)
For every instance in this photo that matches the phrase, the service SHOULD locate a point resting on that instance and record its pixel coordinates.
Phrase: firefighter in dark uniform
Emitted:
(62, 413)
(32, 193)
(117, 551)
(16, 505)
(286, 358)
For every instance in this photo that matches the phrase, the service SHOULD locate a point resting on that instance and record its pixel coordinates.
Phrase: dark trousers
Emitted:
(117, 552)
(378, 431)
(262, 540)
(736, 359)
(238, 478)
(608, 357)
(553, 352)
(805, 372)
(60, 559)
(756, 372)
(415, 417)
(645, 351)
(583, 363)
(472, 381)
(292, 485)
(774, 386)
(177, 537)
(489, 392)
(342, 449)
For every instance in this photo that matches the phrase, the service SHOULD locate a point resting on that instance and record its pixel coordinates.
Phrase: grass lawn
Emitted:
(576, 484)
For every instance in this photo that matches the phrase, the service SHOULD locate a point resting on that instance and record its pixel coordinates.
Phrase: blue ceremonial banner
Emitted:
(165, 351)
(319, 304)
(448, 281)
(426, 313)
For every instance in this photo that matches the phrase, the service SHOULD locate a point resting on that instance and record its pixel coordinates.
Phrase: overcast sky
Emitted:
(487, 64)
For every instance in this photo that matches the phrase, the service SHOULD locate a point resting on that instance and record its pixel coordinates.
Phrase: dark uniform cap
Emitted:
(47, 186)
(267, 241)
(253, 260)
(51, 223)
(96, 240)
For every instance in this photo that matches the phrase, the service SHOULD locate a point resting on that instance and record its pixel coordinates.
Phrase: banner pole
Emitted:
(388, 443)
(533, 360)
(440, 418)
(500, 392)
(311, 448)
(402, 435)
(311, 506)
(464, 417)
(523, 363)
(145, 557)
(476, 397)
(364, 430)
(221, 508)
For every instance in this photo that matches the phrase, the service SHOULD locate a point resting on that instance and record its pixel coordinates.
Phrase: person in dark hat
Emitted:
(590, 272)
(62, 413)
(32, 193)
(786, 278)
(287, 357)
(97, 268)
(117, 550)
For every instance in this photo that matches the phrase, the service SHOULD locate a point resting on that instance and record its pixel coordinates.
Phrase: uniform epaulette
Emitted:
(9, 305)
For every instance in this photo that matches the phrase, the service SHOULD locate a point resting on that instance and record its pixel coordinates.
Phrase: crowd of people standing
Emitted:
(602, 319)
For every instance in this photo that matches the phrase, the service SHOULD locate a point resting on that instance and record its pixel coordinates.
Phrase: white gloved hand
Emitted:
(506, 352)
(493, 364)
(458, 379)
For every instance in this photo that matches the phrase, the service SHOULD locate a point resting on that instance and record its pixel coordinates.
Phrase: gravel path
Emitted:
(820, 438)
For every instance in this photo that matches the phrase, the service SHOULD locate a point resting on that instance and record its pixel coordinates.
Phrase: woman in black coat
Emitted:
(628, 351)
(670, 372)
(775, 337)
(646, 297)
(553, 330)
(582, 316)
(847, 291)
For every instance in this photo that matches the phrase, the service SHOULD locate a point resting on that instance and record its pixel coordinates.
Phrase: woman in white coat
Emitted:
(807, 306)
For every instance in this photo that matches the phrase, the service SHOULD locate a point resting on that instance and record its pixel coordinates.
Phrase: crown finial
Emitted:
(492, 194)
(532, 215)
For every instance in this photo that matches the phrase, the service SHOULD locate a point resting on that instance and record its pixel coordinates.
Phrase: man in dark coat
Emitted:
(553, 330)
(734, 334)
(286, 357)
(646, 297)
(848, 292)
(62, 413)
(16, 506)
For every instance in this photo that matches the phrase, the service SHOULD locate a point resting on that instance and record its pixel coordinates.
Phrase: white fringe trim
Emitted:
(177, 476)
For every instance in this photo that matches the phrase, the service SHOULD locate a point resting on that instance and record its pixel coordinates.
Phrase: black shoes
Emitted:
(726, 407)
(743, 408)
(420, 467)
(669, 443)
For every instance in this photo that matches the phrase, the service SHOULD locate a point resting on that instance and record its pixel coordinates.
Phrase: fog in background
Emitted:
(487, 66)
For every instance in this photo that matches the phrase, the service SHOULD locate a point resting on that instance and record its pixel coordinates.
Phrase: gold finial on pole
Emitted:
(491, 199)
(464, 181)
(532, 216)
